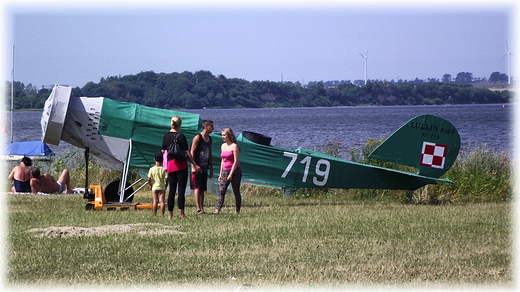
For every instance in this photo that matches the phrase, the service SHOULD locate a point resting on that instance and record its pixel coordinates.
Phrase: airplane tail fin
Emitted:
(428, 143)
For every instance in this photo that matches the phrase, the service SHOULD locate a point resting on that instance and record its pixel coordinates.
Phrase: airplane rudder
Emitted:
(429, 143)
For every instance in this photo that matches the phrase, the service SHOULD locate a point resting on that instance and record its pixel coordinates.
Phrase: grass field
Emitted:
(451, 235)
(304, 242)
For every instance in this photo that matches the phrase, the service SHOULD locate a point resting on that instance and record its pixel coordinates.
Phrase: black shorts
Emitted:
(199, 181)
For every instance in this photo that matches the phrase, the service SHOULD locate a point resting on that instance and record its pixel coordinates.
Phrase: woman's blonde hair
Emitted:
(231, 136)
(176, 122)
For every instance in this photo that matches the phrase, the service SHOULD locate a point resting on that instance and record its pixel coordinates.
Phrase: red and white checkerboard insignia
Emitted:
(433, 155)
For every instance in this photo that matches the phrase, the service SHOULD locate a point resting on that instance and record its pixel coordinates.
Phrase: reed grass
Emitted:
(481, 175)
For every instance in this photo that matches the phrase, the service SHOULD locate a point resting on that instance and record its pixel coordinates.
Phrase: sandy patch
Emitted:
(141, 229)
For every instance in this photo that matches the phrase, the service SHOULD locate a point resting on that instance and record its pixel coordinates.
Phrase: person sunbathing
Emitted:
(47, 184)
(21, 176)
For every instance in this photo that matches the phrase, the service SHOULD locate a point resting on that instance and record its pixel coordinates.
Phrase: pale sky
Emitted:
(60, 43)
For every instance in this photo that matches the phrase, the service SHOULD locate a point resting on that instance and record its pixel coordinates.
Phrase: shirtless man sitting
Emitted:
(47, 184)
(21, 176)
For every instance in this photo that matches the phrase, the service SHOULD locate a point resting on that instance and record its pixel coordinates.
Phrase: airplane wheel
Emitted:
(111, 191)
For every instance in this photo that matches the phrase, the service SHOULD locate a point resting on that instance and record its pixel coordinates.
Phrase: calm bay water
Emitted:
(491, 125)
(478, 125)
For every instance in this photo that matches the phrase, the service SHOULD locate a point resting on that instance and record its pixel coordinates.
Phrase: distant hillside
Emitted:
(204, 90)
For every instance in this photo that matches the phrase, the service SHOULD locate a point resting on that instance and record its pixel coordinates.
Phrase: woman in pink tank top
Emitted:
(230, 171)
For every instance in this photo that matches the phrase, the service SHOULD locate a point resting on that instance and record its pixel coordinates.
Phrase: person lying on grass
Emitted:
(47, 184)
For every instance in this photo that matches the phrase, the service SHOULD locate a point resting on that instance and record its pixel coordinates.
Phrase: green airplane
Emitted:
(125, 136)
(428, 143)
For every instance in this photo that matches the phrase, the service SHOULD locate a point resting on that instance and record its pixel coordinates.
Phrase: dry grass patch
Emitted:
(66, 231)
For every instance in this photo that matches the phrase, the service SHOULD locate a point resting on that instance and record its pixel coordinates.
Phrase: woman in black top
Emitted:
(177, 168)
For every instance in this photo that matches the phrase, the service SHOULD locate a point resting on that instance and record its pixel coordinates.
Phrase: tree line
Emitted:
(202, 89)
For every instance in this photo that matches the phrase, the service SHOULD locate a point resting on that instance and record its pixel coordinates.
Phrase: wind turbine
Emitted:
(508, 54)
(365, 57)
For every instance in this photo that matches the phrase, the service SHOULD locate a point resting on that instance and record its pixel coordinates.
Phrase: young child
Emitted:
(158, 183)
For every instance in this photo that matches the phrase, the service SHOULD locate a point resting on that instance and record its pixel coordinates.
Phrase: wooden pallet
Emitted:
(119, 206)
